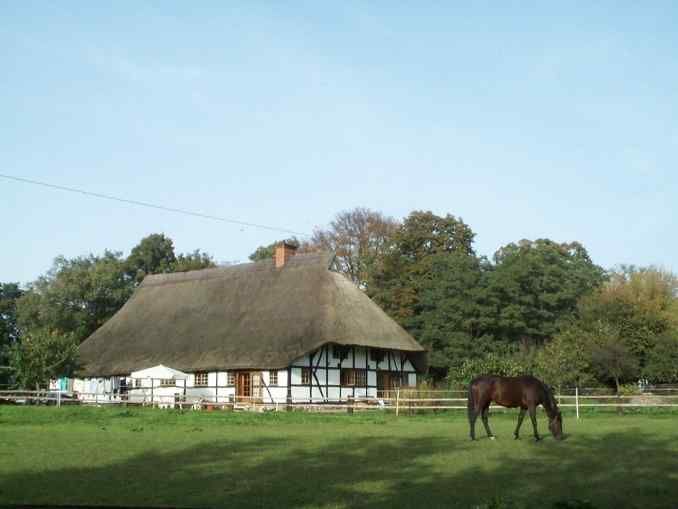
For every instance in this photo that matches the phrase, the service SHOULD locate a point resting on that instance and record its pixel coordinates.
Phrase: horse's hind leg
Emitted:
(533, 418)
(485, 414)
(472, 416)
(521, 416)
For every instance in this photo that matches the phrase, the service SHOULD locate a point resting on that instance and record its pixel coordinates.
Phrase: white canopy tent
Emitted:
(160, 372)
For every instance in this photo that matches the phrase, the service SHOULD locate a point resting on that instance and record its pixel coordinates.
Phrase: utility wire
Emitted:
(152, 206)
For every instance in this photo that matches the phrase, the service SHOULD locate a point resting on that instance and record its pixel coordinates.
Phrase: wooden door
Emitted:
(384, 384)
(243, 385)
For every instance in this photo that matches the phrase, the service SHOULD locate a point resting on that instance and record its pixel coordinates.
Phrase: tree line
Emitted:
(536, 307)
(540, 306)
(42, 325)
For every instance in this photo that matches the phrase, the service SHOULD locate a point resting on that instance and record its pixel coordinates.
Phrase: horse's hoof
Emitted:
(537, 439)
(492, 437)
(516, 437)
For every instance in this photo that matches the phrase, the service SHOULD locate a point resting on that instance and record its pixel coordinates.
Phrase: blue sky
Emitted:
(526, 120)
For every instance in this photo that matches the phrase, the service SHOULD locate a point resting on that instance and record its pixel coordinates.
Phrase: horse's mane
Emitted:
(550, 395)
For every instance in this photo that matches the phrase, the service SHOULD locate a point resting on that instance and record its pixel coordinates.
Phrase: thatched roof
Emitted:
(250, 316)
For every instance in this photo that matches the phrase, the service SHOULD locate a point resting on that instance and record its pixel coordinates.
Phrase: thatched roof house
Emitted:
(246, 317)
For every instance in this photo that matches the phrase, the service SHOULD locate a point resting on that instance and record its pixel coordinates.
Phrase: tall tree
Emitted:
(612, 359)
(9, 332)
(153, 255)
(640, 303)
(358, 237)
(76, 296)
(396, 279)
(43, 355)
(452, 316)
(535, 284)
(662, 361)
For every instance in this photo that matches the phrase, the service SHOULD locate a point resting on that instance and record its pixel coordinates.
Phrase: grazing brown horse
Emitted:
(525, 392)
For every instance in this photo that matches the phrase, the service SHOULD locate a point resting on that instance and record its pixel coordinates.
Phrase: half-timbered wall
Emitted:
(314, 377)
(326, 364)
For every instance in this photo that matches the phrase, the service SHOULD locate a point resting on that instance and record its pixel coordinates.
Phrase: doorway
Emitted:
(385, 384)
(243, 385)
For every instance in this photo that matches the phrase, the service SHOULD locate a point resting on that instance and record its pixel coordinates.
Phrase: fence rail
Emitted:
(406, 400)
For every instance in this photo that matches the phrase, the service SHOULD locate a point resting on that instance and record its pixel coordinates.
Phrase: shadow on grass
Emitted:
(624, 469)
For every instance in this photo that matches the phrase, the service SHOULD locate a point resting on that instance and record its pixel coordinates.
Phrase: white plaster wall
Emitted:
(300, 393)
(334, 377)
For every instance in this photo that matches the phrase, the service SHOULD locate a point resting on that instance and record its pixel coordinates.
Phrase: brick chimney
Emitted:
(283, 252)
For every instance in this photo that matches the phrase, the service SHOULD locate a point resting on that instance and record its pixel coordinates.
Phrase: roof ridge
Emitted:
(302, 259)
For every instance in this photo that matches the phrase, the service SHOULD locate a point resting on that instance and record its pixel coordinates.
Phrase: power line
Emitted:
(152, 206)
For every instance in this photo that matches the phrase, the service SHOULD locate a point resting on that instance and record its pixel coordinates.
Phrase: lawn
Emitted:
(145, 457)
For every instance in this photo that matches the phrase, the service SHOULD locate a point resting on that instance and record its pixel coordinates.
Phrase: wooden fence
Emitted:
(407, 401)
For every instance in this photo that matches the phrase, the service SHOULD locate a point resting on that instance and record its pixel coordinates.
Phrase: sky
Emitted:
(527, 120)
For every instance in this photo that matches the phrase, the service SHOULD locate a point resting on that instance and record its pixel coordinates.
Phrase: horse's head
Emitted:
(556, 426)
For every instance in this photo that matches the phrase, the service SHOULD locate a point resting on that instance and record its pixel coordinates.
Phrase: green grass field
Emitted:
(133, 457)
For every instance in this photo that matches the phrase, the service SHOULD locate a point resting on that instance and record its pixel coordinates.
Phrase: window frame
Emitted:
(306, 375)
(273, 377)
(168, 382)
(201, 374)
(353, 377)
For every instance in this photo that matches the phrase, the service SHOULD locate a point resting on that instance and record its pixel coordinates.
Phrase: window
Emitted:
(201, 379)
(273, 378)
(377, 354)
(137, 382)
(340, 352)
(231, 378)
(167, 382)
(401, 379)
(306, 376)
(357, 377)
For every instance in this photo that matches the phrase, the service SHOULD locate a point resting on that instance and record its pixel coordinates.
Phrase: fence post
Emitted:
(576, 399)
(397, 400)
(349, 409)
(58, 399)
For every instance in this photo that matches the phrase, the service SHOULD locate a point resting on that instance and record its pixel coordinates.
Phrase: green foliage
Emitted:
(42, 355)
(611, 359)
(263, 252)
(9, 332)
(535, 285)
(76, 296)
(398, 274)
(629, 390)
(196, 260)
(640, 303)
(565, 361)
(662, 360)
(502, 360)
(153, 255)
(451, 318)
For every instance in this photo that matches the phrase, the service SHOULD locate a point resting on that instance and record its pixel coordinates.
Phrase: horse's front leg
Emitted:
(486, 423)
(521, 416)
(533, 418)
